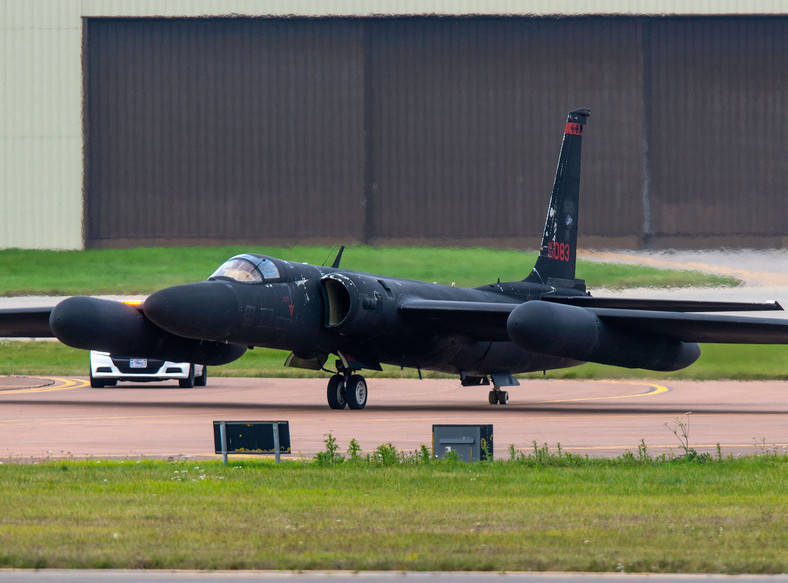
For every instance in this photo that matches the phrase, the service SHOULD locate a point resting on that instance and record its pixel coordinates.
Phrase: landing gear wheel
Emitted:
(188, 382)
(498, 397)
(336, 392)
(356, 392)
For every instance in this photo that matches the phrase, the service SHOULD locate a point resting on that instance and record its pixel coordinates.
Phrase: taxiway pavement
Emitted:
(49, 417)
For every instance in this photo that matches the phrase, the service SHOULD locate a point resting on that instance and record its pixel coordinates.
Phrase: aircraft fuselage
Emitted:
(314, 310)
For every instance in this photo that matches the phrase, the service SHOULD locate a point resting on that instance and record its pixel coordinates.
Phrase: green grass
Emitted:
(717, 361)
(144, 270)
(568, 514)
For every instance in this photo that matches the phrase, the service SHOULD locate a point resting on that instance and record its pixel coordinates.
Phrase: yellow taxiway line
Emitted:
(61, 384)
(653, 390)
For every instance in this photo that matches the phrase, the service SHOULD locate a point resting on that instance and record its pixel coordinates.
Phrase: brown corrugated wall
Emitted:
(468, 119)
(718, 120)
(220, 130)
(432, 130)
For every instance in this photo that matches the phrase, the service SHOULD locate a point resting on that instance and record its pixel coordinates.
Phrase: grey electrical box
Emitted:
(470, 442)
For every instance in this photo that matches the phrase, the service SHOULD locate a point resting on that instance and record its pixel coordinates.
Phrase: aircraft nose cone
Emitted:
(205, 310)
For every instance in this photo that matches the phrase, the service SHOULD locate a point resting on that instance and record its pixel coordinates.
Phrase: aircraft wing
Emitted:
(663, 305)
(487, 321)
(25, 323)
(699, 327)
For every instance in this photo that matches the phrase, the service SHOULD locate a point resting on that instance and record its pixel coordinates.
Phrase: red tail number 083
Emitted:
(559, 251)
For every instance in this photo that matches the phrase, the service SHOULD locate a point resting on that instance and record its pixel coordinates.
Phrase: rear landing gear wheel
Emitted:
(498, 397)
(356, 392)
(336, 392)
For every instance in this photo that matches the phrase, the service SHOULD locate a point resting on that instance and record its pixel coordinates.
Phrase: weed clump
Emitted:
(387, 455)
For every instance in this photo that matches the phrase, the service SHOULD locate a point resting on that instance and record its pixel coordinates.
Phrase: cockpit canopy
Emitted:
(248, 268)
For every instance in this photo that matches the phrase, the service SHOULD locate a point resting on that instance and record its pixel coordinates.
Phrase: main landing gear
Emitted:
(347, 389)
(504, 379)
(498, 397)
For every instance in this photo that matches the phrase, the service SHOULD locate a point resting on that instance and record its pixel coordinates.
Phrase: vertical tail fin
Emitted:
(556, 262)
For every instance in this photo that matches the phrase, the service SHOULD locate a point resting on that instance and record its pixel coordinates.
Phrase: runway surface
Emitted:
(49, 417)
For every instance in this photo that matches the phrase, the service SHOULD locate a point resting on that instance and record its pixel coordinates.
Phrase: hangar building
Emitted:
(139, 122)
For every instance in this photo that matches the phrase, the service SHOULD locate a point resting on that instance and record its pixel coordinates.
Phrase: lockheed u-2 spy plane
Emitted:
(546, 321)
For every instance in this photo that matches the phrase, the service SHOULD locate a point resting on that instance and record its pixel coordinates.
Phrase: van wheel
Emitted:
(188, 382)
(202, 380)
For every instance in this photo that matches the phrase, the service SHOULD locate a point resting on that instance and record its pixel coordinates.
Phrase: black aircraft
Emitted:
(484, 335)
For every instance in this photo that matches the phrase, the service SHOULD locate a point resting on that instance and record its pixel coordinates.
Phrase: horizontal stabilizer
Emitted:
(663, 305)
(25, 323)
(699, 327)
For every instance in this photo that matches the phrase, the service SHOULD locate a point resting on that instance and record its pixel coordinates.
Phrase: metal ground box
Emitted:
(470, 442)
(252, 437)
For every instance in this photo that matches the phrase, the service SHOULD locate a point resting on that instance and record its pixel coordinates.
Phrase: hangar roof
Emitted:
(446, 7)
(37, 10)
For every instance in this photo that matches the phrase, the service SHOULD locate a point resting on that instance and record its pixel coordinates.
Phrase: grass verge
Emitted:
(392, 512)
(717, 362)
(147, 269)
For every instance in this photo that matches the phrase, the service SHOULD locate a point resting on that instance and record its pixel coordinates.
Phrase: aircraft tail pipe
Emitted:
(574, 332)
(118, 328)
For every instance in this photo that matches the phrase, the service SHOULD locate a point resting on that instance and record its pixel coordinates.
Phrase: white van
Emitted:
(106, 370)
